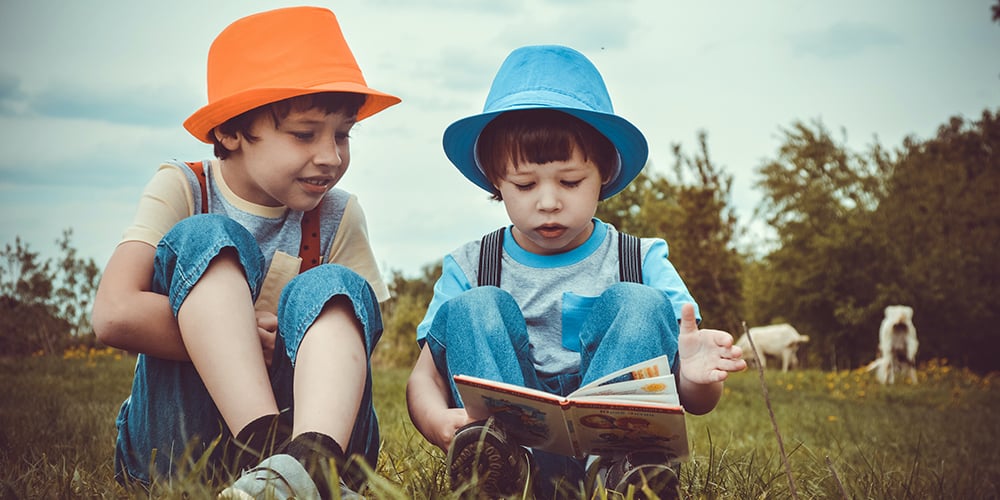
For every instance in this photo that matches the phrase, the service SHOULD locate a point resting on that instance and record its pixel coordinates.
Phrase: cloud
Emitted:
(144, 105)
(11, 95)
(843, 40)
(586, 30)
(136, 105)
(87, 174)
(87, 154)
(491, 6)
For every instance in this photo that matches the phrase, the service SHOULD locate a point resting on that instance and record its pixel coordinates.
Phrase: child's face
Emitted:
(293, 164)
(551, 205)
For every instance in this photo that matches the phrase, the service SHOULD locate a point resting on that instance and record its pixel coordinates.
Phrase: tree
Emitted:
(402, 314)
(75, 282)
(822, 278)
(693, 214)
(858, 232)
(707, 230)
(44, 305)
(941, 221)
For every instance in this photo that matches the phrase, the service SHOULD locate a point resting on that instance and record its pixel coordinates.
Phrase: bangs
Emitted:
(540, 136)
(327, 102)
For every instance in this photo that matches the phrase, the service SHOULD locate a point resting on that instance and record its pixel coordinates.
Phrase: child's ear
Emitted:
(229, 141)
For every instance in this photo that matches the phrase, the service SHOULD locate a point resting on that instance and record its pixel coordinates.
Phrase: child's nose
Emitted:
(548, 199)
(328, 153)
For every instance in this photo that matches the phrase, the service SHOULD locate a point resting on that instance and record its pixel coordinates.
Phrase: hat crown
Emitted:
(275, 55)
(293, 47)
(548, 76)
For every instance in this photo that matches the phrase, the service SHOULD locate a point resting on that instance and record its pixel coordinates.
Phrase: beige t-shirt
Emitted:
(168, 198)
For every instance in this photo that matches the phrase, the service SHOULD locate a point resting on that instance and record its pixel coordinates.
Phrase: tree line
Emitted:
(851, 232)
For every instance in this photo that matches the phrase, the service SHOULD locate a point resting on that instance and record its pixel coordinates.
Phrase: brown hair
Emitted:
(328, 102)
(540, 136)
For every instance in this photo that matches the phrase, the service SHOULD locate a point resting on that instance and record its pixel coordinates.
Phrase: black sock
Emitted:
(315, 451)
(257, 440)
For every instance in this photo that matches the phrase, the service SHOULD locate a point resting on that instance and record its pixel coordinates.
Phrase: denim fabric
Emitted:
(301, 302)
(482, 333)
(170, 420)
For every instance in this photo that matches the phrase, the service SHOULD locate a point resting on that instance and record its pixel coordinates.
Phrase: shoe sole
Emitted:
(480, 454)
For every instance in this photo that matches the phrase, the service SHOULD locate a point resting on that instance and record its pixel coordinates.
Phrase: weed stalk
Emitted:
(774, 421)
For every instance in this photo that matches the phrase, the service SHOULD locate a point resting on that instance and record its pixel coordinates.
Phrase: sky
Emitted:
(93, 94)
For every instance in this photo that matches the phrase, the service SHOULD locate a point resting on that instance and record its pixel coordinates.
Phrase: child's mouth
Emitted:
(315, 185)
(550, 231)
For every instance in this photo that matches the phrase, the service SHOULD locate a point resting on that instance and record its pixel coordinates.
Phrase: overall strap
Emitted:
(629, 258)
(309, 245)
(491, 255)
(199, 171)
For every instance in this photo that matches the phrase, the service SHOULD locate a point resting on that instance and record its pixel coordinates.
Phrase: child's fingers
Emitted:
(688, 322)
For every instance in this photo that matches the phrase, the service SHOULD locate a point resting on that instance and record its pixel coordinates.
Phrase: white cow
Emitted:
(774, 340)
(897, 346)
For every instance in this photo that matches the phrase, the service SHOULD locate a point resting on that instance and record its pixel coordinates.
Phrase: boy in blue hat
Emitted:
(550, 302)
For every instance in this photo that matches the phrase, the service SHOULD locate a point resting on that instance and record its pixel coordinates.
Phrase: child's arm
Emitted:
(428, 399)
(127, 315)
(706, 358)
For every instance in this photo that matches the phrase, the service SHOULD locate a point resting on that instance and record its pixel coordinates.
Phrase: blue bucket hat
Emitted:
(549, 77)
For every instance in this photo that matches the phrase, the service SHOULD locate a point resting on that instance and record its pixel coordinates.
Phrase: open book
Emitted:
(631, 409)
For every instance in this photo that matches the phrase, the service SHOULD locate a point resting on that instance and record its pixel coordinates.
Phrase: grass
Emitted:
(844, 434)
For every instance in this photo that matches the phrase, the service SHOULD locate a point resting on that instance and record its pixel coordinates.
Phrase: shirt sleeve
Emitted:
(165, 200)
(352, 248)
(658, 272)
(451, 283)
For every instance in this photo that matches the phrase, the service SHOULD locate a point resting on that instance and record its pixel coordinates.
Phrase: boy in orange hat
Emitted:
(558, 298)
(249, 351)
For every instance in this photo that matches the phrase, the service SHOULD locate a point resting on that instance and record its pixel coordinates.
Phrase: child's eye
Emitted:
(303, 136)
(523, 187)
(571, 184)
(343, 136)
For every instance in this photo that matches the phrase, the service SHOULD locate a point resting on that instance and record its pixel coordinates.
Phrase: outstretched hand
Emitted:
(706, 356)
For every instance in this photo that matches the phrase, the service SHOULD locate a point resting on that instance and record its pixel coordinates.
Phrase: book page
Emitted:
(603, 428)
(667, 400)
(533, 418)
(656, 367)
(662, 389)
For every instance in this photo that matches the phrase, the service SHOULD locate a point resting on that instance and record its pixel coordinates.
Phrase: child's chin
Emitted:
(303, 205)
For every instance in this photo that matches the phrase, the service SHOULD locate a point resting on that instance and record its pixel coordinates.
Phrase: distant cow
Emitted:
(780, 341)
(897, 346)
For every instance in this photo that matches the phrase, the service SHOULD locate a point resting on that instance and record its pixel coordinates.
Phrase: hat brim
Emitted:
(460, 144)
(201, 123)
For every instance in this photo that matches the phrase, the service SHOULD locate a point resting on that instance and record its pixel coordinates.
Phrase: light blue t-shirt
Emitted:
(556, 292)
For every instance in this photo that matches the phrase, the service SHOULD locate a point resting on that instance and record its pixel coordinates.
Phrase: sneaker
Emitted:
(482, 458)
(648, 473)
(278, 477)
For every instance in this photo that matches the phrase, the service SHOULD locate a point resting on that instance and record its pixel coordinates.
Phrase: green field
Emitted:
(844, 436)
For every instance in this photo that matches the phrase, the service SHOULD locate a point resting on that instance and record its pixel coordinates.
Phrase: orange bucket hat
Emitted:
(277, 54)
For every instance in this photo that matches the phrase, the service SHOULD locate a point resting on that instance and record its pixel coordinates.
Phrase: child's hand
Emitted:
(267, 326)
(706, 356)
(448, 422)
